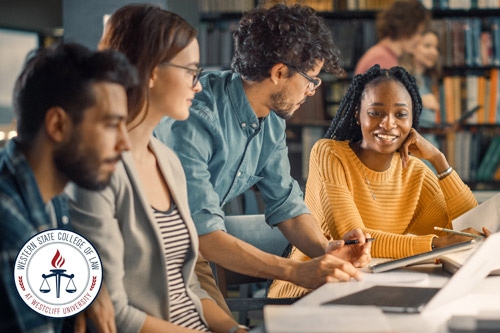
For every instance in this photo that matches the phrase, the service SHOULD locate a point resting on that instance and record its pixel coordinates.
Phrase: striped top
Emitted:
(176, 244)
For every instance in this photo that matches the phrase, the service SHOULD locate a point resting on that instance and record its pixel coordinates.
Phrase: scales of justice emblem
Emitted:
(58, 273)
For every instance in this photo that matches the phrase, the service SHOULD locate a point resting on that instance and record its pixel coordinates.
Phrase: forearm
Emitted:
(439, 162)
(156, 325)
(459, 198)
(244, 258)
(304, 233)
(217, 319)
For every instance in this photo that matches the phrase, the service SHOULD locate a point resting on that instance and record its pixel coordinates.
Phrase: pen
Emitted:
(461, 233)
(355, 241)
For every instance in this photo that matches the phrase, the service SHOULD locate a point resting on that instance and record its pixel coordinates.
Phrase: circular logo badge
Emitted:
(58, 273)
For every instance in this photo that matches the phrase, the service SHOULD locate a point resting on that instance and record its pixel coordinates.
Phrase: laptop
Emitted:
(404, 299)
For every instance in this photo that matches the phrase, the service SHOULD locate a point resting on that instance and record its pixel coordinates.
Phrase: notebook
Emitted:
(416, 300)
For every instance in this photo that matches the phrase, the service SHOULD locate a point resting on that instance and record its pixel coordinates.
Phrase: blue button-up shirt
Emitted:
(225, 149)
(22, 214)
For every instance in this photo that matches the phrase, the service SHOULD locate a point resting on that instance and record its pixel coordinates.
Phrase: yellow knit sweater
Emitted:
(408, 203)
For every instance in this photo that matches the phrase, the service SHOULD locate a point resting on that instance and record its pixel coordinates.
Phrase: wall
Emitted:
(83, 20)
(35, 15)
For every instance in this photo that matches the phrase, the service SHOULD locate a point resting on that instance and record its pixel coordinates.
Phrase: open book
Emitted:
(421, 258)
(486, 214)
(453, 261)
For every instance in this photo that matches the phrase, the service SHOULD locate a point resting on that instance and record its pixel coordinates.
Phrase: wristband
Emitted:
(445, 173)
(237, 327)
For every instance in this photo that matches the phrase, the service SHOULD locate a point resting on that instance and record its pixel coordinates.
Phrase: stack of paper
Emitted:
(324, 319)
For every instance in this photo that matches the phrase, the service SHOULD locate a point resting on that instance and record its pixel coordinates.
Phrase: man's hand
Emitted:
(357, 254)
(314, 273)
(101, 312)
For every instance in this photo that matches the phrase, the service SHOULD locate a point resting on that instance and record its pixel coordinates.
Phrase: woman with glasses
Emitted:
(141, 224)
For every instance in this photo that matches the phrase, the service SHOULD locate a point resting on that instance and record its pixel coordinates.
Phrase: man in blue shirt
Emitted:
(71, 110)
(235, 138)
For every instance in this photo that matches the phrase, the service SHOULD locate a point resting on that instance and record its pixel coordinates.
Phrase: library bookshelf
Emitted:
(469, 34)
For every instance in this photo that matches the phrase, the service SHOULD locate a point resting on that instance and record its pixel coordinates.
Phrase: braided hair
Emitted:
(344, 126)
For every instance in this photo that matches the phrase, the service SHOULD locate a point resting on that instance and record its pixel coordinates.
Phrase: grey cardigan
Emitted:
(119, 222)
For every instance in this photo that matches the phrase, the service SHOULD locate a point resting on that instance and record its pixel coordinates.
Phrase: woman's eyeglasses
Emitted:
(196, 72)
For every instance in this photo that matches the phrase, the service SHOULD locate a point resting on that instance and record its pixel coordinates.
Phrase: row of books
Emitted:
(469, 42)
(462, 94)
(235, 6)
(365, 4)
(353, 37)
(474, 155)
(464, 42)
(238, 6)
(460, 4)
(318, 5)
(225, 6)
(216, 43)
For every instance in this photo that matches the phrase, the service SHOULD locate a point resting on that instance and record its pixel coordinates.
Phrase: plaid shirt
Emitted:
(22, 214)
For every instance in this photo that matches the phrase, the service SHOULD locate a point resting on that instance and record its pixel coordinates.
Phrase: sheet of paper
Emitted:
(460, 257)
(486, 214)
(324, 319)
(396, 277)
(453, 261)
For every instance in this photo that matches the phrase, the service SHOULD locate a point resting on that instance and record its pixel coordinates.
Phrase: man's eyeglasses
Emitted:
(196, 72)
(313, 82)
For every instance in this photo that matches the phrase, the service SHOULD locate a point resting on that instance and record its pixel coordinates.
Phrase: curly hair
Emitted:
(293, 35)
(402, 19)
(344, 126)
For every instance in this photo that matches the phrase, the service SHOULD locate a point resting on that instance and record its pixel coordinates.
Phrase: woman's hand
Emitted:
(416, 145)
(451, 239)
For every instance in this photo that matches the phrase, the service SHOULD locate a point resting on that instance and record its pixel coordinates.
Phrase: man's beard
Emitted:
(80, 165)
(280, 105)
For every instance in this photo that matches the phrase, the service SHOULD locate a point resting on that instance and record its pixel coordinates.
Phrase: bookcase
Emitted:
(469, 34)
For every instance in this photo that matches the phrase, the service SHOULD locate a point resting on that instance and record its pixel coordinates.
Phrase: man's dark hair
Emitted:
(62, 76)
(344, 126)
(294, 35)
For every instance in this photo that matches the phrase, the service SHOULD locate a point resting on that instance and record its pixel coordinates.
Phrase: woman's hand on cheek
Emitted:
(416, 145)
(404, 150)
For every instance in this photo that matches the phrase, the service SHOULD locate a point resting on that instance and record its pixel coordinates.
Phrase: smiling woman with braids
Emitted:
(367, 174)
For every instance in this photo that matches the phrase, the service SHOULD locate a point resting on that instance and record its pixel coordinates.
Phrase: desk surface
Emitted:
(485, 297)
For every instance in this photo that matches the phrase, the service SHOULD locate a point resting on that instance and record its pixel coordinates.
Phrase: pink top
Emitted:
(377, 54)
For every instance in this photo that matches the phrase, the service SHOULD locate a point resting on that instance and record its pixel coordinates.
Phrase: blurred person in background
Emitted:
(399, 30)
